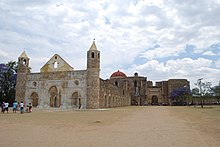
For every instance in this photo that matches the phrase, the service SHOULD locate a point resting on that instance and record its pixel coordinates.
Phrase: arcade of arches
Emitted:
(55, 98)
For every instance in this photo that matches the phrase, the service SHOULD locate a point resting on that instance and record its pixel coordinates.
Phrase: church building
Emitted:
(58, 85)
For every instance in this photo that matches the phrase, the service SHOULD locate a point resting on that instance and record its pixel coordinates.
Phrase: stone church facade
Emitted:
(58, 85)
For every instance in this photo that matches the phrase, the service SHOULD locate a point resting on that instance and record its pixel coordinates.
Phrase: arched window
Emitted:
(113, 101)
(93, 55)
(109, 101)
(55, 64)
(105, 101)
(136, 89)
(116, 83)
(24, 62)
(135, 83)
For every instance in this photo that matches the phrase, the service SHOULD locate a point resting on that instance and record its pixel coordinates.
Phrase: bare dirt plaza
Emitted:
(126, 126)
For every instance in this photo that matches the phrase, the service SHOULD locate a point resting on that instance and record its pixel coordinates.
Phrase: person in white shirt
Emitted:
(6, 106)
(22, 107)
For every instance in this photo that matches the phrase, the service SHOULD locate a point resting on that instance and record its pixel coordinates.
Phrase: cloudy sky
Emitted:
(160, 39)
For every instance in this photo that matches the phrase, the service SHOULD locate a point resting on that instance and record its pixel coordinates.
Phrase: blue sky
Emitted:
(159, 39)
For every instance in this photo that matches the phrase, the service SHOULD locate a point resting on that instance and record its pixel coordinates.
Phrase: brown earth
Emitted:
(128, 126)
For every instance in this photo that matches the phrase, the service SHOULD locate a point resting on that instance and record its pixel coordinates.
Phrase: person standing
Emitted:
(15, 104)
(30, 108)
(6, 106)
(22, 107)
(27, 109)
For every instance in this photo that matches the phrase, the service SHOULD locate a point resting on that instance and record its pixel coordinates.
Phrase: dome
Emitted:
(118, 74)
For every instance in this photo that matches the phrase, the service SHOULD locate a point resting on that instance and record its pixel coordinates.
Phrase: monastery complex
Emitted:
(58, 85)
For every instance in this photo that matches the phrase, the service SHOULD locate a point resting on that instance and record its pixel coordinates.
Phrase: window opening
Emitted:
(93, 55)
(116, 83)
(55, 64)
(24, 62)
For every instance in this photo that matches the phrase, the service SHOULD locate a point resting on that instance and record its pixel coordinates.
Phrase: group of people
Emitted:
(16, 105)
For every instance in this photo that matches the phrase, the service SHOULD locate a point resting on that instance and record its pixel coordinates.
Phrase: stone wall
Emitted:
(177, 83)
(93, 88)
(161, 91)
(112, 95)
(164, 92)
(137, 89)
(70, 88)
(154, 96)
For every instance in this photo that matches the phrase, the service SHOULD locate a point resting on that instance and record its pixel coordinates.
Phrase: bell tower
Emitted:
(23, 71)
(93, 79)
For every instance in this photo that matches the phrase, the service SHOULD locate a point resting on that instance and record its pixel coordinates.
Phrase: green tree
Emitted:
(8, 81)
(205, 90)
(216, 90)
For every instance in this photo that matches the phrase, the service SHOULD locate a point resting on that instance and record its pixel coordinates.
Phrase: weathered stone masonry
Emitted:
(58, 85)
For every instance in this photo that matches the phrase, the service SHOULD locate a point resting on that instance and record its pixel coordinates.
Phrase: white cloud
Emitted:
(161, 52)
(209, 53)
(181, 68)
(124, 30)
(3, 54)
(217, 64)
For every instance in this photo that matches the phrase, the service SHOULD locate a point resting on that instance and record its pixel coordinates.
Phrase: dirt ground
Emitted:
(120, 127)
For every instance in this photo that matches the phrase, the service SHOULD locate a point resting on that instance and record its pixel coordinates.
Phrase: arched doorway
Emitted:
(34, 99)
(105, 101)
(109, 101)
(75, 100)
(154, 100)
(55, 99)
